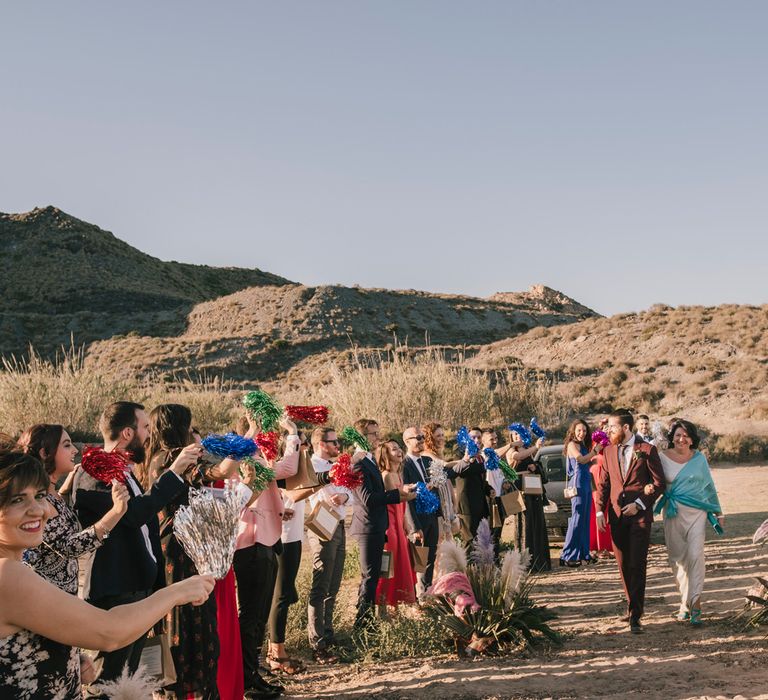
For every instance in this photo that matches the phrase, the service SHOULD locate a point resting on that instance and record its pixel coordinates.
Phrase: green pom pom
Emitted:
(353, 437)
(509, 473)
(261, 405)
(262, 475)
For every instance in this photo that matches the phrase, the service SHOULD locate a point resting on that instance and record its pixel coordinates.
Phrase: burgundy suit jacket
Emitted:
(645, 468)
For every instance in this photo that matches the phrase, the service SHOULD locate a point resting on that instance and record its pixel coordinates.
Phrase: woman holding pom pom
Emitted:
(193, 631)
(520, 458)
(579, 453)
(401, 587)
(41, 626)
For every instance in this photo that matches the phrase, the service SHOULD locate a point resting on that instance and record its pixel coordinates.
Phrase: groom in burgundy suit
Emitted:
(632, 480)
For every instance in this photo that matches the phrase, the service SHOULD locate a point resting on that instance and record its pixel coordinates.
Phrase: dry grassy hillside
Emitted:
(61, 276)
(710, 363)
(262, 332)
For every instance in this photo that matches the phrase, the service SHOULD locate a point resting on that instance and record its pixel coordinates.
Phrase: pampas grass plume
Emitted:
(128, 687)
(514, 567)
(483, 553)
(451, 558)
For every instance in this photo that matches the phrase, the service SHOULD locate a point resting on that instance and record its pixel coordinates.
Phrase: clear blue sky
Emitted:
(616, 151)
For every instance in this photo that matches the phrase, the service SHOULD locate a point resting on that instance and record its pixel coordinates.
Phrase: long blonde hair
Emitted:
(385, 460)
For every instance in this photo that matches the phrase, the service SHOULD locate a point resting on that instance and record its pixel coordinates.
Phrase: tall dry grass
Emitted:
(399, 388)
(69, 392)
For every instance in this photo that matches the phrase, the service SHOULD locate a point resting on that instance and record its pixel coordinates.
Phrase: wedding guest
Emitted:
(285, 593)
(327, 556)
(643, 428)
(434, 448)
(473, 492)
(578, 452)
(192, 630)
(41, 626)
(370, 430)
(495, 478)
(600, 541)
(261, 526)
(631, 467)
(689, 501)
(401, 587)
(129, 565)
(416, 469)
(520, 458)
(64, 540)
(370, 522)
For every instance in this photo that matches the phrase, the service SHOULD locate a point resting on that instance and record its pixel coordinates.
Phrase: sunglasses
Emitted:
(415, 437)
(330, 442)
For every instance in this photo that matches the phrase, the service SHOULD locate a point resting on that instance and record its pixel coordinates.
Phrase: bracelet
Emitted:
(104, 531)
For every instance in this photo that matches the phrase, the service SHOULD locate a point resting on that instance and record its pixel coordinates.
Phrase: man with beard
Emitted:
(631, 480)
(128, 567)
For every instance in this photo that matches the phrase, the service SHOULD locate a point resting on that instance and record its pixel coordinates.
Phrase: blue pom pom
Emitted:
(522, 431)
(492, 461)
(537, 430)
(426, 501)
(229, 445)
(465, 442)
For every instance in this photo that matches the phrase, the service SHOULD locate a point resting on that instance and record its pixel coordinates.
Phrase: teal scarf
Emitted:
(693, 487)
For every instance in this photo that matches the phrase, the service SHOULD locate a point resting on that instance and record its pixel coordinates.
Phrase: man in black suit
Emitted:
(128, 567)
(369, 526)
(416, 469)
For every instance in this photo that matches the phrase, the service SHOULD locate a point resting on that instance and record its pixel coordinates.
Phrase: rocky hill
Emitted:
(60, 276)
(709, 363)
(260, 333)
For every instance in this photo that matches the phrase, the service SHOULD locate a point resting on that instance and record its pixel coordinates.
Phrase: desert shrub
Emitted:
(737, 447)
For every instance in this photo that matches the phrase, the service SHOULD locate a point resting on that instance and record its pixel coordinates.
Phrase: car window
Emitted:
(555, 467)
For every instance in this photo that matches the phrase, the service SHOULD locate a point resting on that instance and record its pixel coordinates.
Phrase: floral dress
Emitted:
(35, 668)
(63, 542)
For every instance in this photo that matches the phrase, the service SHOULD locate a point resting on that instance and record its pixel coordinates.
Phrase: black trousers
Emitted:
(255, 571)
(115, 661)
(431, 533)
(371, 546)
(285, 593)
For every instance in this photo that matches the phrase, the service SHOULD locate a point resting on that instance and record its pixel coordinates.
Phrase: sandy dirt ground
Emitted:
(600, 658)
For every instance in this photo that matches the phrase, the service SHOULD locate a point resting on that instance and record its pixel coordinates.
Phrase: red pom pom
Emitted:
(106, 466)
(315, 415)
(342, 473)
(267, 443)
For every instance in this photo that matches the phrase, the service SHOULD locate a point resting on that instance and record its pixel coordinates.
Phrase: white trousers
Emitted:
(685, 534)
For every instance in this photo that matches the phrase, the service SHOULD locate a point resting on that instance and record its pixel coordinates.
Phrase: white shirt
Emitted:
(627, 449)
(420, 466)
(321, 465)
(293, 529)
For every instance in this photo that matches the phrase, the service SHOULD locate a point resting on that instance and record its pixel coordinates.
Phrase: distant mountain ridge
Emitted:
(61, 276)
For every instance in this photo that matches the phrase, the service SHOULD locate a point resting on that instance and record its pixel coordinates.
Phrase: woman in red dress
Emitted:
(598, 541)
(401, 587)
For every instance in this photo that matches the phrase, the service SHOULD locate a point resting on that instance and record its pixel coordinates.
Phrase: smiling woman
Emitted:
(42, 626)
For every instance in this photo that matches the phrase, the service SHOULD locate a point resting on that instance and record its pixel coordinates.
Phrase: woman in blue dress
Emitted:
(578, 453)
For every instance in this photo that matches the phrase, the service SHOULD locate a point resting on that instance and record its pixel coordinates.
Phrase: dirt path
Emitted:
(600, 658)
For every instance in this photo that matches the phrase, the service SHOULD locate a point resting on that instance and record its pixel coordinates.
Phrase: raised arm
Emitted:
(31, 603)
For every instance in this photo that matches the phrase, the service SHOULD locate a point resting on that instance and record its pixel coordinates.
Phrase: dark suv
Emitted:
(552, 462)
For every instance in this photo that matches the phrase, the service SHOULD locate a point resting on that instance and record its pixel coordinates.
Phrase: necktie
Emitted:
(421, 469)
(622, 461)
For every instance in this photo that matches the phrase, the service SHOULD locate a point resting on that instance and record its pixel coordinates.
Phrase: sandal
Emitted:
(286, 665)
(682, 616)
(325, 657)
(695, 616)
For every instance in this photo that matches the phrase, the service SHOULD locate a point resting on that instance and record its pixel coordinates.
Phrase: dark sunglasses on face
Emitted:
(330, 442)
(415, 437)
